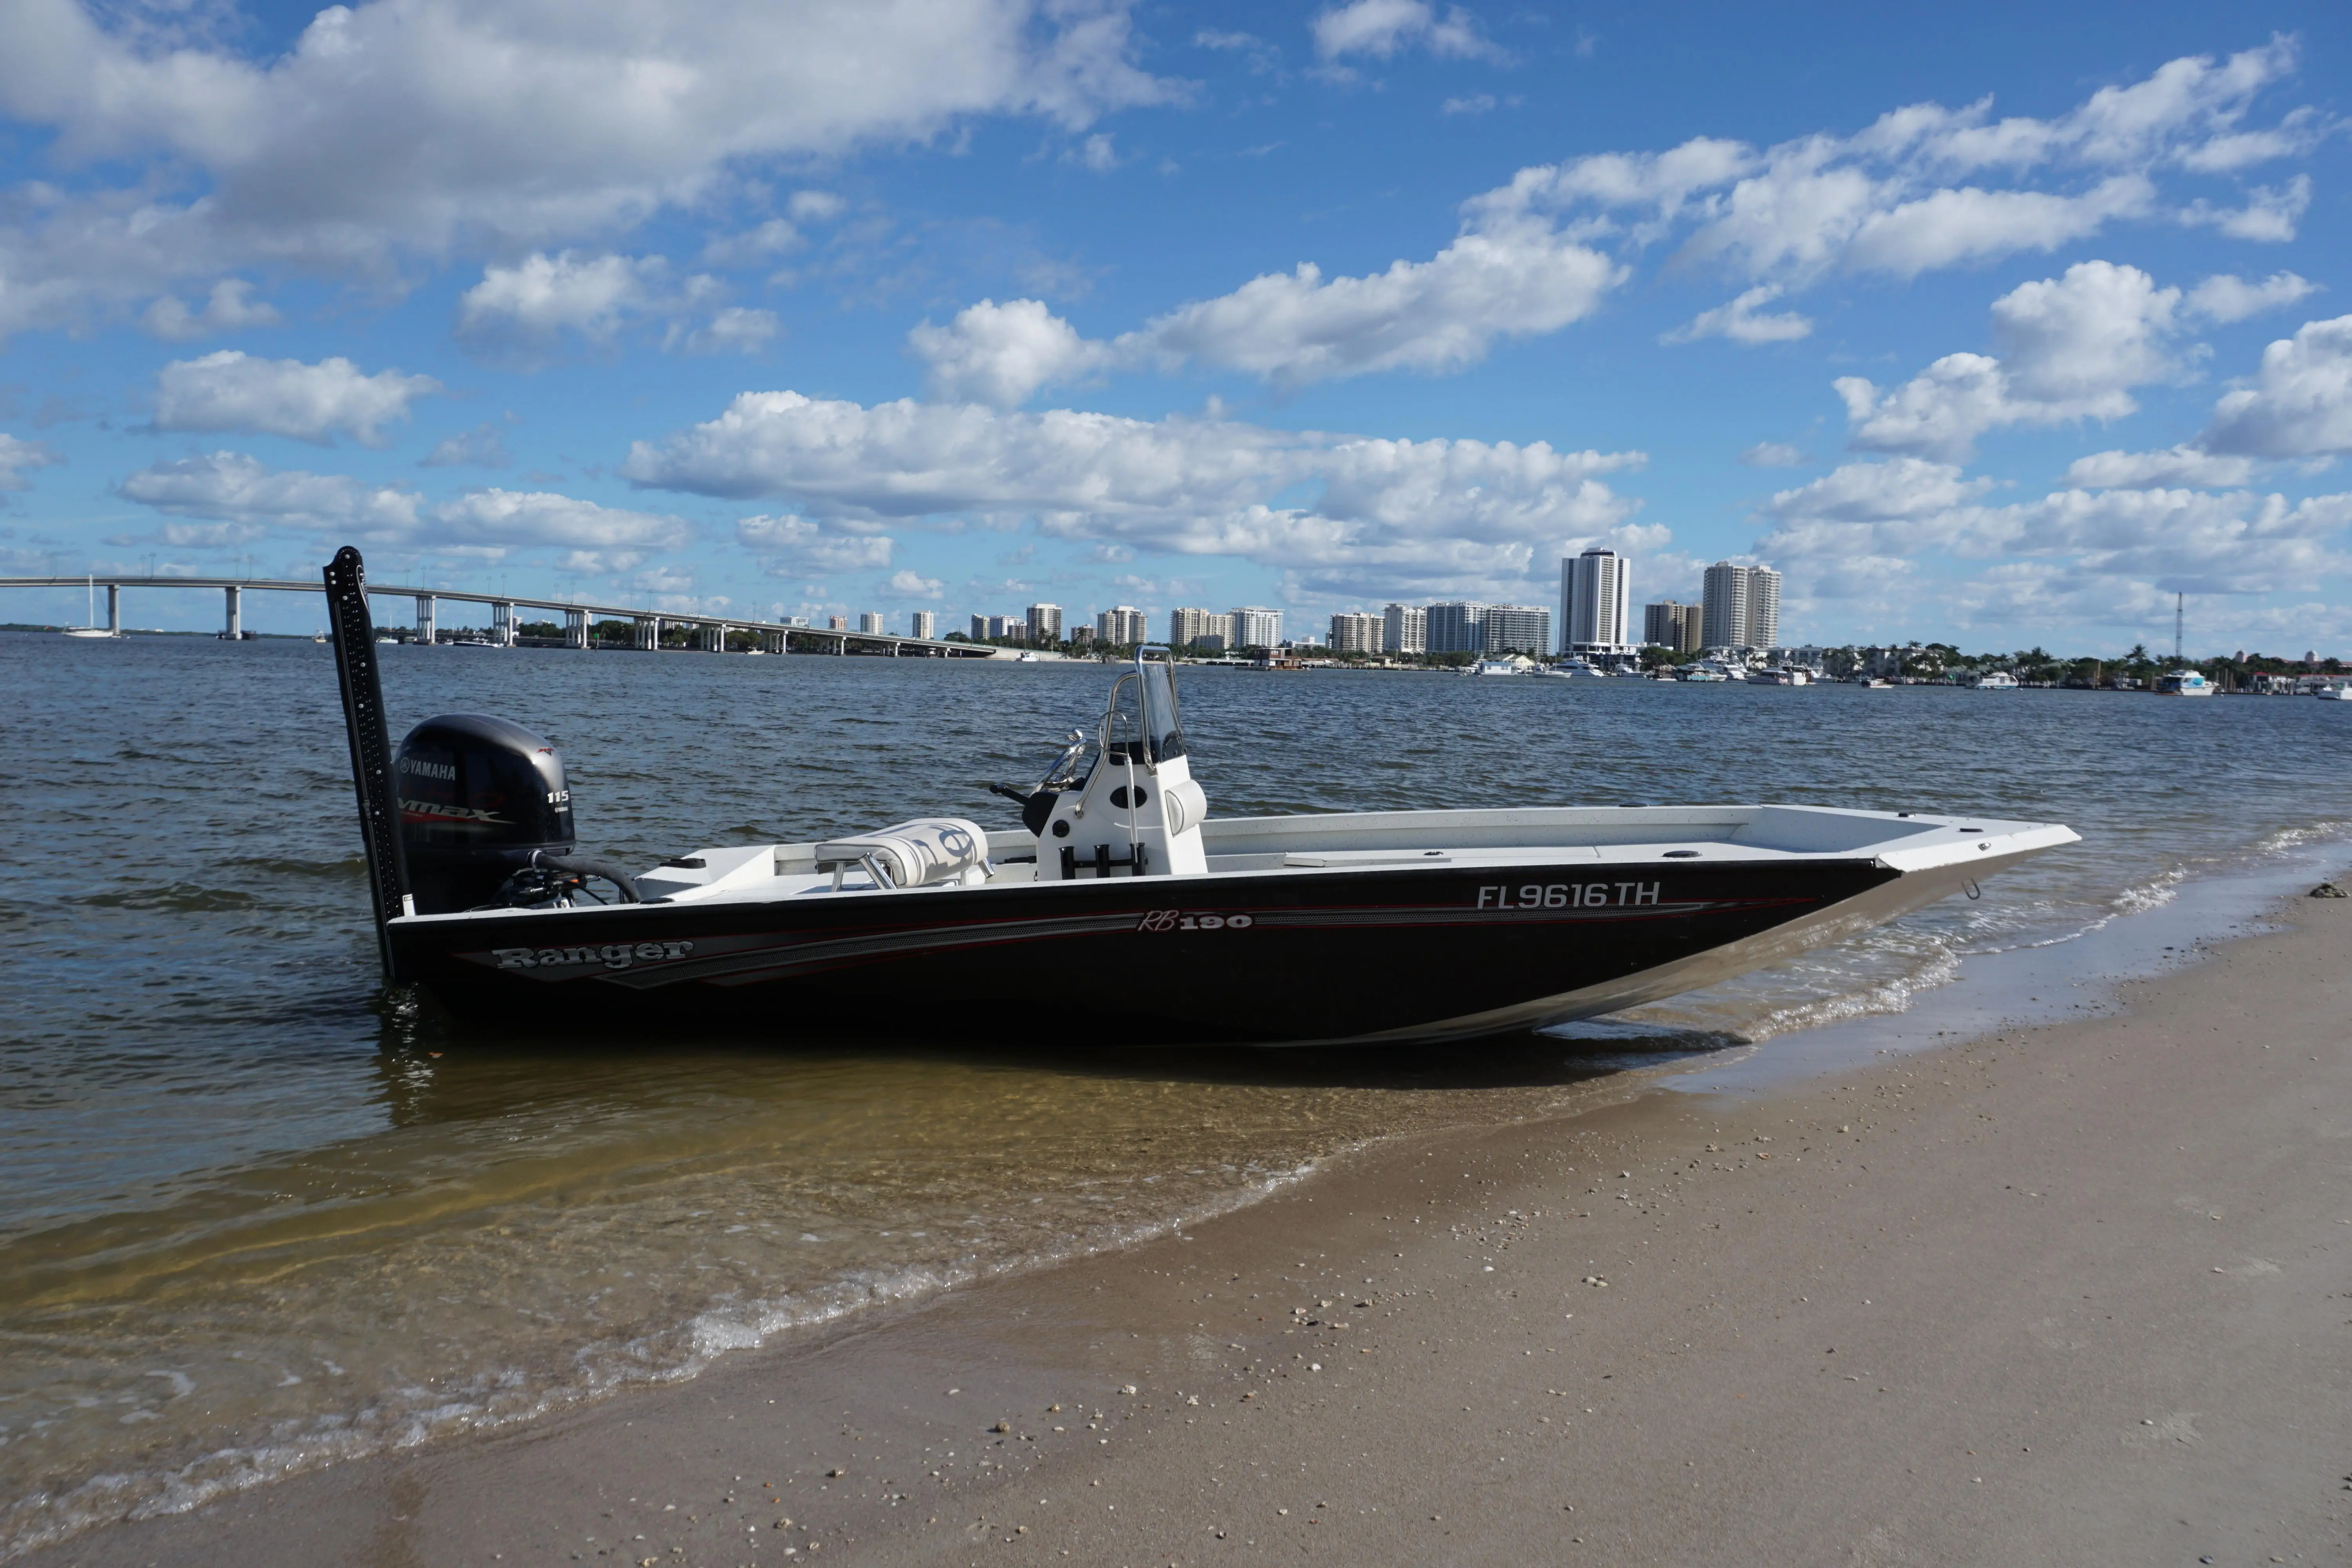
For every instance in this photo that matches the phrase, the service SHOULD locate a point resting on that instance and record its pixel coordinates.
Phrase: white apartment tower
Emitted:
(1355, 633)
(1405, 628)
(870, 622)
(1596, 599)
(1256, 627)
(1517, 628)
(924, 623)
(1121, 626)
(1188, 624)
(1741, 606)
(1045, 623)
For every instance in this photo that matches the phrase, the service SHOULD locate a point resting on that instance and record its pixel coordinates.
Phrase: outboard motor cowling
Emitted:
(478, 797)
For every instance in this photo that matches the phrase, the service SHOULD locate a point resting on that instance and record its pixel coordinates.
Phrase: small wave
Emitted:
(1890, 996)
(352, 869)
(184, 896)
(2153, 894)
(500, 1398)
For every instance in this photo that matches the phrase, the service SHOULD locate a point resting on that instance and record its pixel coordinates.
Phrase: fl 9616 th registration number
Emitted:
(1567, 896)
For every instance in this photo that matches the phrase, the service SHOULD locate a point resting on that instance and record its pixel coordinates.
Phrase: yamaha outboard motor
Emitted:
(478, 798)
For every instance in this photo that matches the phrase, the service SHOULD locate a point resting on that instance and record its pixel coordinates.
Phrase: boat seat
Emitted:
(926, 852)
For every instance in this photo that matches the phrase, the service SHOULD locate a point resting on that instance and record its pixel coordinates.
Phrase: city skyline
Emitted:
(2006, 327)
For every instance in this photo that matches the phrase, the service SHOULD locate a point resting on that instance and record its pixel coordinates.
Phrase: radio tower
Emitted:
(2179, 600)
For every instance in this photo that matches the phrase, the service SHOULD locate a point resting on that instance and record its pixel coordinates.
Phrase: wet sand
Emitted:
(2078, 1294)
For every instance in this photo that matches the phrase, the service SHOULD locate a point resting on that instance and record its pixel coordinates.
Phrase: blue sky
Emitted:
(2000, 325)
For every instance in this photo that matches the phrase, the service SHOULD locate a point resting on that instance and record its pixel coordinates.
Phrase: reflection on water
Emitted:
(259, 1212)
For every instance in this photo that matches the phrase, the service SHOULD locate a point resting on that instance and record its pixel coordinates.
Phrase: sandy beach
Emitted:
(2072, 1294)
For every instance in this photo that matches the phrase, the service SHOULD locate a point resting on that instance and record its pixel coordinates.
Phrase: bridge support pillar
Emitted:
(426, 633)
(776, 642)
(114, 608)
(502, 623)
(234, 626)
(648, 634)
(575, 628)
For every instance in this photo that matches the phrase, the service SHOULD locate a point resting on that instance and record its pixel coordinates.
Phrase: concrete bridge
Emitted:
(708, 632)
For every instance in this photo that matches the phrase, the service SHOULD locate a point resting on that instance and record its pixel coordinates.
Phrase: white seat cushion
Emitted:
(928, 850)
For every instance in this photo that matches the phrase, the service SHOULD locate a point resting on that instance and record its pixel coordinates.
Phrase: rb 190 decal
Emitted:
(1179, 919)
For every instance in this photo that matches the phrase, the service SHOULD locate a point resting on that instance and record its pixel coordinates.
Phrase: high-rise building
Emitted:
(1188, 626)
(1519, 628)
(1457, 625)
(1256, 627)
(1405, 628)
(1123, 626)
(1724, 602)
(870, 622)
(1671, 625)
(1082, 634)
(837, 623)
(1354, 633)
(1763, 608)
(924, 623)
(979, 628)
(1741, 606)
(1045, 623)
(1596, 596)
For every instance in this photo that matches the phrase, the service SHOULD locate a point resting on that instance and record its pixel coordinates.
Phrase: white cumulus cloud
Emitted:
(913, 585)
(230, 308)
(1854, 531)
(2175, 468)
(2300, 404)
(1002, 354)
(531, 304)
(735, 329)
(1388, 513)
(1743, 322)
(234, 390)
(19, 457)
(413, 128)
(1928, 186)
(1380, 28)
(790, 546)
(1293, 328)
(2071, 347)
(2226, 298)
(233, 487)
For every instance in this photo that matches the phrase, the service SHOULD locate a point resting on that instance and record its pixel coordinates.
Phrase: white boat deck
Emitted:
(1340, 844)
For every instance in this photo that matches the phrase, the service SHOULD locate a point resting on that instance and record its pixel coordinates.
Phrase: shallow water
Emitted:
(255, 1213)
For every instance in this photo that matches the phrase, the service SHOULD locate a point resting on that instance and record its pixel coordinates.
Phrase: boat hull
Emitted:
(1357, 957)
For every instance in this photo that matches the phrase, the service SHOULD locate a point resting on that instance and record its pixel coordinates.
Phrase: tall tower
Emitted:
(1763, 608)
(1723, 613)
(1596, 599)
(1740, 606)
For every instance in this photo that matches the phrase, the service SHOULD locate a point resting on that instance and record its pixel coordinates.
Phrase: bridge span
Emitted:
(709, 632)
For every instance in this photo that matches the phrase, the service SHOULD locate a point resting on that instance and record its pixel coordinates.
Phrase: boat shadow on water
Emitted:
(433, 1066)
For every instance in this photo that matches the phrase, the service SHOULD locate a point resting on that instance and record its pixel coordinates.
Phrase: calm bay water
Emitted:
(257, 1213)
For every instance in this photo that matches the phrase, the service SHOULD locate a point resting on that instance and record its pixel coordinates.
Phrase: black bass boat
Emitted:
(1119, 897)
